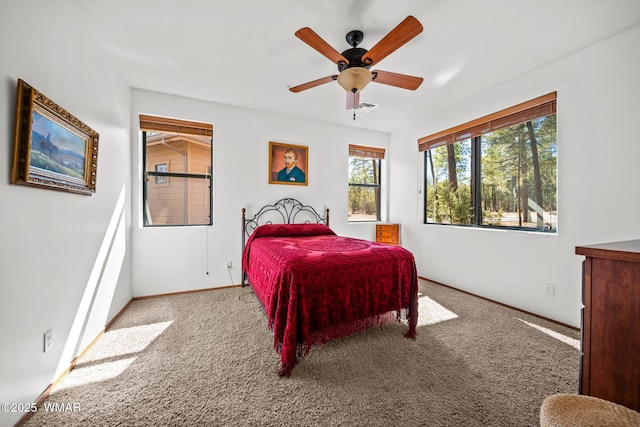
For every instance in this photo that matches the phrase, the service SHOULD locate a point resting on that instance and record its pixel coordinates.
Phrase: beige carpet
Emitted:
(207, 359)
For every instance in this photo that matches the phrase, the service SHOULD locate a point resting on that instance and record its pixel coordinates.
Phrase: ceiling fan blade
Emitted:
(353, 100)
(394, 79)
(309, 36)
(401, 34)
(313, 83)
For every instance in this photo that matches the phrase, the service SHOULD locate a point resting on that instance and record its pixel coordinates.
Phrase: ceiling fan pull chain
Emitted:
(354, 103)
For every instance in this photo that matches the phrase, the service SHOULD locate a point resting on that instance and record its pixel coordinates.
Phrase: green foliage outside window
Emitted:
(364, 189)
(516, 176)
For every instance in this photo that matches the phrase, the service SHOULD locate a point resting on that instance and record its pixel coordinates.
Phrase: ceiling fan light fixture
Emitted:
(354, 79)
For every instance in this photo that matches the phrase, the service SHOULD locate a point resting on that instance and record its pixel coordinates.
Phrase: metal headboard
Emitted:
(284, 211)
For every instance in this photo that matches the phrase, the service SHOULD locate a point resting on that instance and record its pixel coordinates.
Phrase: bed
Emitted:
(315, 286)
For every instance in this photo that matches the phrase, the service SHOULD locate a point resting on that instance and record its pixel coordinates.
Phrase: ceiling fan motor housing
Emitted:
(358, 75)
(354, 56)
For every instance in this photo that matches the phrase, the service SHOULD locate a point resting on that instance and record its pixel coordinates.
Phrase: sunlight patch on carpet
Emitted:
(565, 339)
(94, 373)
(119, 342)
(430, 312)
(112, 354)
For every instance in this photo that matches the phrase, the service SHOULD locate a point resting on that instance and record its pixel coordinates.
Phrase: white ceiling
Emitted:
(244, 52)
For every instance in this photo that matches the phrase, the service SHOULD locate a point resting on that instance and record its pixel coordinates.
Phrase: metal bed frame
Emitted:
(284, 211)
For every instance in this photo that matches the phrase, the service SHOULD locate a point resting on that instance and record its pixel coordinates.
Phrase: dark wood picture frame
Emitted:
(278, 168)
(52, 148)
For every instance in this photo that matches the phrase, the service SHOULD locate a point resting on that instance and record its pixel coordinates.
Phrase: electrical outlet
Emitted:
(228, 265)
(48, 340)
(549, 289)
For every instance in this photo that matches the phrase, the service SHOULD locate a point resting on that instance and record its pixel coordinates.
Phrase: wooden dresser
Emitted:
(610, 361)
(388, 233)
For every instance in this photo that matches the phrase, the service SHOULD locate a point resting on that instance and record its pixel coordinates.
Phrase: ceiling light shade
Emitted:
(354, 79)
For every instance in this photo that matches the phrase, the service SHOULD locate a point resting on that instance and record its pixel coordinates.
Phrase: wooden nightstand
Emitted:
(388, 233)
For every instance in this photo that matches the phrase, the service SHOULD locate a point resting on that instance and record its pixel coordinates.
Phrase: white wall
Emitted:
(172, 259)
(65, 261)
(598, 105)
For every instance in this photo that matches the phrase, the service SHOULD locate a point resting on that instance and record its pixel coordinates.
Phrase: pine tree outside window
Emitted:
(364, 183)
(496, 171)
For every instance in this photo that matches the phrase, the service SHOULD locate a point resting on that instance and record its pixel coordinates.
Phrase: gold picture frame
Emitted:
(51, 148)
(294, 173)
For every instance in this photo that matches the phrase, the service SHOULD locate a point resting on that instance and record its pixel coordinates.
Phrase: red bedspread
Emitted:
(316, 286)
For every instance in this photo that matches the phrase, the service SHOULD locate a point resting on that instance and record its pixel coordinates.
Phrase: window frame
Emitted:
(474, 130)
(370, 153)
(175, 126)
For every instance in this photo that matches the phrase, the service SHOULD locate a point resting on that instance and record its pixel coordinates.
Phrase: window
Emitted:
(496, 171)
(177, 181)
(162, 179)
(364, 183)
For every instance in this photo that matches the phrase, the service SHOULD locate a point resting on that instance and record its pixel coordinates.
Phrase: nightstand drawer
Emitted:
(388, 233)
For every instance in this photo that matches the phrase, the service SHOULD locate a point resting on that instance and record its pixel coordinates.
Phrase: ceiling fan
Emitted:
(354, 63)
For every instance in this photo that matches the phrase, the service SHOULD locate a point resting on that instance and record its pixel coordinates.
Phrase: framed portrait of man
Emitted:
(288, 164)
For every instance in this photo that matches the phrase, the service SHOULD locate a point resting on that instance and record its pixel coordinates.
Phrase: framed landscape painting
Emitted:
(288, 164)
(52, 148)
